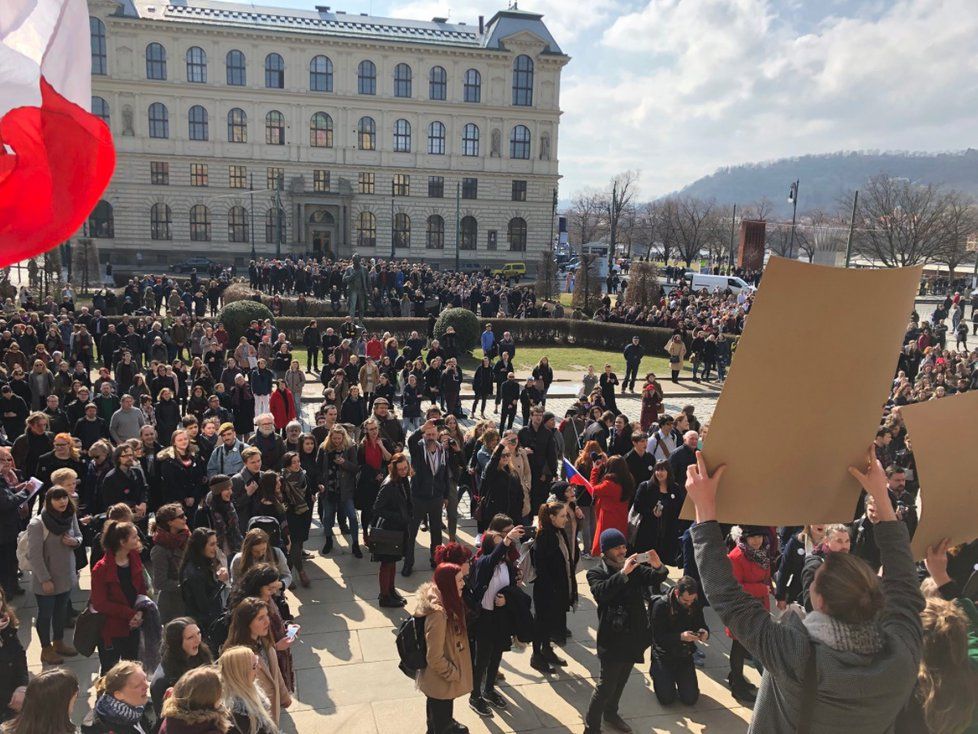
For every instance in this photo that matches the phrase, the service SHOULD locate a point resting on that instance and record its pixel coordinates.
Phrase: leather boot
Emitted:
(63, 648)
(50, 656)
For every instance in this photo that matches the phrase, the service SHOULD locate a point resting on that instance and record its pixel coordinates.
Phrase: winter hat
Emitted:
(750, 530)
(611, 538)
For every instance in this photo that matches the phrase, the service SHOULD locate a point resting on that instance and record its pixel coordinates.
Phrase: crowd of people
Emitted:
(177, 466)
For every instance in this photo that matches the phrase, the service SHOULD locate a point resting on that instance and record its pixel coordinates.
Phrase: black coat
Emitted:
(179, 481)
(393, 506)
(127, 488)
(203, 595)
(501, 492)
(555, 588)
(482, 381)
(623, 621)
(789, 571)
(658, 533)
(668, 620)
(13, 668)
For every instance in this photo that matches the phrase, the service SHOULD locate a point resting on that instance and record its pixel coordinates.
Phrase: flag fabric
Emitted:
(56, 157)
(575, 477)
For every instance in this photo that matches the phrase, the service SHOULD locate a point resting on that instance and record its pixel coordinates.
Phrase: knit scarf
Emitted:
(171, 541)
(110, 710)
(57, 523)
(294, 489)
(864, 639)
(758, 555)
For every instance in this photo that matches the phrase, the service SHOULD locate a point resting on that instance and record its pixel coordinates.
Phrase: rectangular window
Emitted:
(198, 174)
(237, 177)
(401, 184)
(159, 173)
(366, 183)
(470, 188)
(519, 190)
(436, 187)
(275, 179)
(320, 180)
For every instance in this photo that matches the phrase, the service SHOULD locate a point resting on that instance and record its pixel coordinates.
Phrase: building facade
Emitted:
(243, 129)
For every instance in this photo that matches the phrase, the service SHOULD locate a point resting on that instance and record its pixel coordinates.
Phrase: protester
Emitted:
(251, 628)
(555, 586)
(47, 703)
(677, 623)
(183, 649)
(13, 663)
(120, 705)
(195, 705)
(169, 544)
(243, 696)
(203, 579)
(613, 491)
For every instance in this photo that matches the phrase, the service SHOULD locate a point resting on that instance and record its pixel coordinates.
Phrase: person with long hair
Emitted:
(196, 705)
(657, 505)
(652, 398)
(52, 537)
(501, 490)
(555, 588)
(614, 490)
(857, 653)
(218, 512)
(750, 560)
(257, 549)
(183, 649)
(267, 501)
(338, 469)
(799, 545)
(169, 542)
(243, 697)
(583, 465)
(262, 582)
(117, 581)
(181, 470)
(448, 674)
(13, 663)
(121, 695)
(251, 627)
(203, 580)
(392, 510)
(372, 457)
(47, 704)
(298, 495)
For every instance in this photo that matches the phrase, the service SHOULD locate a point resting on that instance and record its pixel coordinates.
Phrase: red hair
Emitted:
(445, 574)
(452, 553)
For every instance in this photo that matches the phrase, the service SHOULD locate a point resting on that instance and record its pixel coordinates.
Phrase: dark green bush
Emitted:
(466, 325)
(238, 314)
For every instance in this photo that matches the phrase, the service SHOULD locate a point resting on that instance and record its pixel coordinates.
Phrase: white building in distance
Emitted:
(243, 129)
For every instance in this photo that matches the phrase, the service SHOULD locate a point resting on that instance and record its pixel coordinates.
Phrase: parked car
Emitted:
(203, 264)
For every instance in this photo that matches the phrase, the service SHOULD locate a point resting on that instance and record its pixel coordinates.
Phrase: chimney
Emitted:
(482, 24)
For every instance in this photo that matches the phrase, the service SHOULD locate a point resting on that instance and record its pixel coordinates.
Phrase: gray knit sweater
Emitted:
(856, 692)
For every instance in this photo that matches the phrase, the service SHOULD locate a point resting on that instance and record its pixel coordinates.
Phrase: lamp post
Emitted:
(251, 196)
(280, 238)
(458, 211)
(553, 216)
(393, 227)
(793, 200)
(852, 224)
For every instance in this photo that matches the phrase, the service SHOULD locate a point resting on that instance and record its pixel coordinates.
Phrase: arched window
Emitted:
(200, 223)
(367, 133)
(198, 122)
(470, 139)
(438, 83)
(320, 74)
(274, 226)
(196, 65)
(100, 62)
(237, 126)
(321, 131)
(101, 223)
(402, 136)
(274, 128)
(366, 230)
(159, 121)
(237, 75)
(160, 221)
(519, 143)
(237, 224)
(470, 233)
(155, 61)
(516, 232)
(274, 72)
(473, 86)
(435, 236)
(402, 80)
(366, 77)
(436, 138)
(523, 81)
(100, 108)
(402, 230)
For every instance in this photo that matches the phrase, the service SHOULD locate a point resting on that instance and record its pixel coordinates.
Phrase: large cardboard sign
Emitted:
(804, 395)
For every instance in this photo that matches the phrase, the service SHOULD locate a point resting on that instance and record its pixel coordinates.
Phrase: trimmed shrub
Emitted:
(238, 291)
(466, 325)
(238, 314)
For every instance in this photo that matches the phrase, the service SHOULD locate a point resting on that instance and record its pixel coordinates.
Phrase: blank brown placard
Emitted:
(944, 436)
(804, 396)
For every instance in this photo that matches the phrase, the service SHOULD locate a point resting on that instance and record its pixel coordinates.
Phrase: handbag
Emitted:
(88, 630)
(386, 541)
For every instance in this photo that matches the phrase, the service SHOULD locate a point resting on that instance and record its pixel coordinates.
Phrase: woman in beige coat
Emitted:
(251, 627)
(449, 672)
(676, 350)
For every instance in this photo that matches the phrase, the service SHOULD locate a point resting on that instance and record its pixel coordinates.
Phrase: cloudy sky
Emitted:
(678, 88)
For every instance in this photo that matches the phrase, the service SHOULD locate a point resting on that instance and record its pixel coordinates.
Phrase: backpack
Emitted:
(526, 564)
(270, 525)
(412, 649)
(203, 517)
(23, 549)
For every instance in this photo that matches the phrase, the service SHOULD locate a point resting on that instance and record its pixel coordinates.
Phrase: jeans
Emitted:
(607, 691)
(312, 359)
(586, 527)
(475, 402)
(631, 373)
(121, 648)
(507, 417)
(424, 509)
(452, 511)
(439, 715)
(673, 679)
(345, 509)
(488, 654)
(722, 371)
(52, 611)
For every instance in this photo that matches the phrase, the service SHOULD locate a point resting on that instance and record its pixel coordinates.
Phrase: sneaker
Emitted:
(494, 699)
(614, 720)
(480, 707)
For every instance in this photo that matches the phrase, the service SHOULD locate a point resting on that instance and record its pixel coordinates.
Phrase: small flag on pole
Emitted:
(575, 477)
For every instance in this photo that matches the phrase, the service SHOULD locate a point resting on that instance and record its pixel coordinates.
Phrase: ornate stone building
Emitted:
(294, 131)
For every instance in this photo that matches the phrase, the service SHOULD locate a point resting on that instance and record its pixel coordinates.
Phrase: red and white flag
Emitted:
(56, 157)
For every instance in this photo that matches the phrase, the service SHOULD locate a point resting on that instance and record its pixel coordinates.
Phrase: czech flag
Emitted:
(575, 477)
(56, 157)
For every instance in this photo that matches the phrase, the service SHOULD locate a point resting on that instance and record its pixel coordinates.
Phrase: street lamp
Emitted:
(793, 200)
(251, 195)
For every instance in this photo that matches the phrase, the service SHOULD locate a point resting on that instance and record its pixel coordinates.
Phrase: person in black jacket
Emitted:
(509, 395)
(13, 411)
(392, 510)
(126, 484)
(619, 585)
(13, 663)
(203, 581)
(633, 354)
(555, 588)
(90, 428)
(677, 623)
(311, 341)
(181, 472)
(13, 495)
(482, 383)
(429, 489)
(542, 446)
(501, 491)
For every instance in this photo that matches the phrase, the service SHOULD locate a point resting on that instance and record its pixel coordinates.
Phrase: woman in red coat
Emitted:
(282, 406)
(117, 579)
(751, 561)
(651, 402)
(614, 489)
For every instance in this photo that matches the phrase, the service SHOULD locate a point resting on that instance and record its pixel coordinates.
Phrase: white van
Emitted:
(699, 281)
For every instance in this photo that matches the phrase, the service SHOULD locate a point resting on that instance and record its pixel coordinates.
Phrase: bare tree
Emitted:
(84, 262)
(759, 209)
(585, 217)
(961, 219)
(718, 234)
(819, 231)
(615, 203)
(690, 221)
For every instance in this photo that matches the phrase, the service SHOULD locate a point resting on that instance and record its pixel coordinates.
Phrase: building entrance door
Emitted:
(322, 243)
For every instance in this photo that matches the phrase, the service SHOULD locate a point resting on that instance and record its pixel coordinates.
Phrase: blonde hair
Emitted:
(199, 689)
(337, 428)
(235, 666)
(115, 679)
(947, 685)
(60, 476)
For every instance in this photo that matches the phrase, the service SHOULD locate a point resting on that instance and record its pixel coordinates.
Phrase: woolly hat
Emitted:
(611, 538)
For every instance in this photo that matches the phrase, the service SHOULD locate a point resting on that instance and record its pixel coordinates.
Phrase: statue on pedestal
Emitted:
(357, 284)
